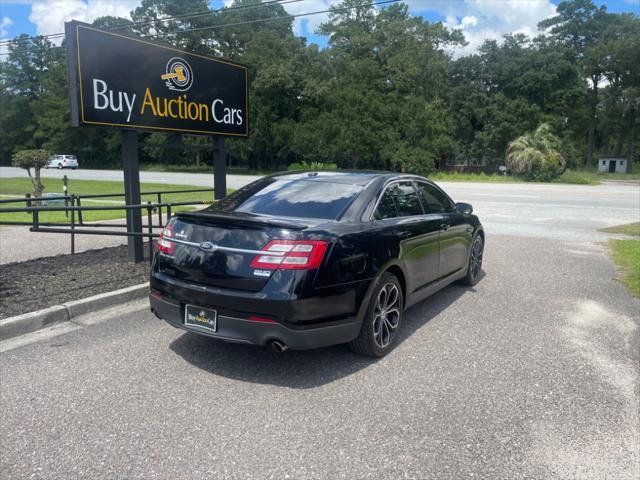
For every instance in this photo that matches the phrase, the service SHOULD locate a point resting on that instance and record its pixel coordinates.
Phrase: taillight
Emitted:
(290, 255)
(163, 245)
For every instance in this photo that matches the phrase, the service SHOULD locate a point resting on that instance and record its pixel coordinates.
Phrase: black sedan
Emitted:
(305, 260)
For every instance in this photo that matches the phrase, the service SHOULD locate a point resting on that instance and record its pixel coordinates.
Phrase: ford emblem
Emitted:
(208, 247)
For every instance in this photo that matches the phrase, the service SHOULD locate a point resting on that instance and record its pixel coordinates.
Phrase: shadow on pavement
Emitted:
(299, 369)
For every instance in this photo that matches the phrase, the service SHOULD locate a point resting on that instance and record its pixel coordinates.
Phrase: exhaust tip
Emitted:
(278, 346)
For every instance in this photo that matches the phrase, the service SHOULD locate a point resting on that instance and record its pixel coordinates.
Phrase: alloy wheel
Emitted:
(387, 315)
(475, 263)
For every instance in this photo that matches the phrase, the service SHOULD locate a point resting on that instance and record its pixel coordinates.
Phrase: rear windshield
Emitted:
(293, 198)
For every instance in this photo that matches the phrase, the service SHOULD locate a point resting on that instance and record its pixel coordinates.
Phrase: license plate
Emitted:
(201, 317)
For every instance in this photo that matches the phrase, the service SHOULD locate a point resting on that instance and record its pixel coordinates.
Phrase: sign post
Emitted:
(132, 193)
(129, 83)
(219, 168)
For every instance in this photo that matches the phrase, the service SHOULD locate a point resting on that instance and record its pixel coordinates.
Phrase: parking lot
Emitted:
(531, 374)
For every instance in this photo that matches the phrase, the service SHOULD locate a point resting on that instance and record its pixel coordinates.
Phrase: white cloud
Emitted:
(311, 22)
(487, 19)
(478, 19)
(5, 23)
(469, 21)
(49, 15)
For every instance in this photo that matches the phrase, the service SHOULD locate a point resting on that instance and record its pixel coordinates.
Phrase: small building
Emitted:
(613, 165)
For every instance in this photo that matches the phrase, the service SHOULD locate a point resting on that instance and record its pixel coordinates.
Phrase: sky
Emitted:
(478, 19)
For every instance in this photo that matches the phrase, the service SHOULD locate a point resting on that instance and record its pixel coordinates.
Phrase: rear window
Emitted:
(294, 198)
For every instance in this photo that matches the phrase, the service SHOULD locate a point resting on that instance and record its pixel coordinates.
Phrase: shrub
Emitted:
(537, 155)
(312, 166)
(36, 159)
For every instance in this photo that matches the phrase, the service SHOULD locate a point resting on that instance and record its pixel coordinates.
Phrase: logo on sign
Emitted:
(178, 75)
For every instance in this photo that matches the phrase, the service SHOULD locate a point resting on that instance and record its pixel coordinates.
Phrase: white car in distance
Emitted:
(63, 161)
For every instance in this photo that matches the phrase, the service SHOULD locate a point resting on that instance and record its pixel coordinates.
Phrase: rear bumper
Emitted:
(240, 330)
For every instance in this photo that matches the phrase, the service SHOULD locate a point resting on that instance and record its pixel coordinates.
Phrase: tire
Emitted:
(379, 330)
(474, 267)
(59, 166)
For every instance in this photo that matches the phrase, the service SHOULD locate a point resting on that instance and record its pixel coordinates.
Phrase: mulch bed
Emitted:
(44, 282)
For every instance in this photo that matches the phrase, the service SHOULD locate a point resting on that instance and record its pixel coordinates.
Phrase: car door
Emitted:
(417, 233)
(455, 228)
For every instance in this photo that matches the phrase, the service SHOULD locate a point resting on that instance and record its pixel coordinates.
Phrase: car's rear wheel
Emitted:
(59, 166)
(382, 320)
(475, 262)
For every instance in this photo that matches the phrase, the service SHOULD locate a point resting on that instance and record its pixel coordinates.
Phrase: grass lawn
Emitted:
(573, 177)
(591, 176)
(632, 229)
(626, 254)
(579, 176)
(473, 177)
(18, 186)
(204, 168)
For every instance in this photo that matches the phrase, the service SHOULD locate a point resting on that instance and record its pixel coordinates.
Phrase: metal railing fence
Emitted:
(77, 226)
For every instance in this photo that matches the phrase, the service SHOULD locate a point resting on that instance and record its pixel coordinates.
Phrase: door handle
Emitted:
(445, 226)
(404, 234)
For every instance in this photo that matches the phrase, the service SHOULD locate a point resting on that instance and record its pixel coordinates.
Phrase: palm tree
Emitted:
(536, 155)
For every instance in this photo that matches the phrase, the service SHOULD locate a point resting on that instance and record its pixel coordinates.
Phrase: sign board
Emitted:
(120, 81)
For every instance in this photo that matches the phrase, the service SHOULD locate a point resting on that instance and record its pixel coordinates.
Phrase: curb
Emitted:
(30, 322)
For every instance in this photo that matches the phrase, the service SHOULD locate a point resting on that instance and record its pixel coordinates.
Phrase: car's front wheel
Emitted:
(382, 320)
(475, 262)
(59, 166)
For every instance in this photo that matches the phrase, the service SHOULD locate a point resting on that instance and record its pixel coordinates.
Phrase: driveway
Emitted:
(533, 373)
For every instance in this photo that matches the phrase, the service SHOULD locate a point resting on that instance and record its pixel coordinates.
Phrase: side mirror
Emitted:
(464, 208)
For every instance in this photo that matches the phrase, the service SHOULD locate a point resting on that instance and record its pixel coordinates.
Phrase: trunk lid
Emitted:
(226, 263)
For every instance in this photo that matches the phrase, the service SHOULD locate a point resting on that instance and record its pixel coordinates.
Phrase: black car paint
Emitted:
(332, 299)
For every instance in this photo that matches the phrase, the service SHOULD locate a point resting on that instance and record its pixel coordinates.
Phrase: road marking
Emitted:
(506, 195)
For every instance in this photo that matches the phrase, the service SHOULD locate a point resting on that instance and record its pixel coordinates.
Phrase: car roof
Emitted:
(343, 176)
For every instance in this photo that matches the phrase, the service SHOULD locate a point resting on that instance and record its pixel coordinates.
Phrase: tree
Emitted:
(21, 79)
(385, 93)
(509, 88)
(623, 72)
(536, 155)
(591, 33)
(386, 108)
(36, 159)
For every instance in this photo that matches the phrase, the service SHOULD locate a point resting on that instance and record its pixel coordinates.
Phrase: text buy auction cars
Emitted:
(126, 82)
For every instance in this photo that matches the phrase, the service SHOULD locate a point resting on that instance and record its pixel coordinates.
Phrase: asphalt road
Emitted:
(193, 179)
(563, 212)
(533, 373)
